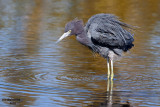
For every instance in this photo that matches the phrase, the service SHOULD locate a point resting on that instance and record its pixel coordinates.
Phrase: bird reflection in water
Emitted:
(109, 92)
(112, 98)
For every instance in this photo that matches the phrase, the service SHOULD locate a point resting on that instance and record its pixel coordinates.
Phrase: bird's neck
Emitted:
(83, 39)
(81, 34)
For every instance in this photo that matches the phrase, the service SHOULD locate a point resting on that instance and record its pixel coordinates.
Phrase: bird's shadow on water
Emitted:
(112, 98)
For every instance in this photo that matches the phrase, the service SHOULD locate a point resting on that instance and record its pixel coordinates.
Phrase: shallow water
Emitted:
(37, 72)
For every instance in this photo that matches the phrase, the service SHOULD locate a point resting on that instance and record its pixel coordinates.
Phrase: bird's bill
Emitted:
(64, 36)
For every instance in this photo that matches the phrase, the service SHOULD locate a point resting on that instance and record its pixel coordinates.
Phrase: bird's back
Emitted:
(106, 30)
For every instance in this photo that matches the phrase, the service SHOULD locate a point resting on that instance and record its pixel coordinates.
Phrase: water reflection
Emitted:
(111, 98)
(33, 68)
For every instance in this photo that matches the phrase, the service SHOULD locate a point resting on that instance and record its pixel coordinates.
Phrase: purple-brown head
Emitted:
(74, 27)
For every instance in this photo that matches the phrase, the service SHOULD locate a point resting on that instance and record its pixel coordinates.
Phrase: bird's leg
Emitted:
(108, 68)
(112, 74)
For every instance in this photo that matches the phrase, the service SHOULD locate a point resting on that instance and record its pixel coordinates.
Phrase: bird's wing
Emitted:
(108, 31)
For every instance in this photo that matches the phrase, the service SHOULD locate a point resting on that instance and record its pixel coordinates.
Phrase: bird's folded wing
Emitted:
(112, 36)
(107, 30)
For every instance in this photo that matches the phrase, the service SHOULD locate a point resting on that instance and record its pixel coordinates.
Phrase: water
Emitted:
(35, 71)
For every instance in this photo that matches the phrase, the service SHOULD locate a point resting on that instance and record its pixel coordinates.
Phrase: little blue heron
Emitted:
(103, 34)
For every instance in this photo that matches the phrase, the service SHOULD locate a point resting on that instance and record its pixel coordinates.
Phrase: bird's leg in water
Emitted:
(108, 68)
(112, 74)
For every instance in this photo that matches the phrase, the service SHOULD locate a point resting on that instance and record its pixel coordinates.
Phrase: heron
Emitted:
(104, 34)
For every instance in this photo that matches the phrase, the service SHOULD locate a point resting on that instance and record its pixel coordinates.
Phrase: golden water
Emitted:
(41, 73)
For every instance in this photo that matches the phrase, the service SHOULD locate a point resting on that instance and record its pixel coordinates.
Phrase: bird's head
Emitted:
(73, 27)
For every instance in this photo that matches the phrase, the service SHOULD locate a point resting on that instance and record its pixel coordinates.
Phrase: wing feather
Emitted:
(107, 30)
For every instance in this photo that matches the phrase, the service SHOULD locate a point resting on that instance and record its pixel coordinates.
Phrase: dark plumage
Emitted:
(104, 34)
